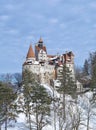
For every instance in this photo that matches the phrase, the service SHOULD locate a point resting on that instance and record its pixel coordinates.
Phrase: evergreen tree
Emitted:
(37, 101)
(28, 82)
(92, 60)
(7, 105)
(68, 86)
(41, 105)
(1, 106)
(86, 68)
(93, 80)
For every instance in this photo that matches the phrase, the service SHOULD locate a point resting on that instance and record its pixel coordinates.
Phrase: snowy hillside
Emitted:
(75, 110)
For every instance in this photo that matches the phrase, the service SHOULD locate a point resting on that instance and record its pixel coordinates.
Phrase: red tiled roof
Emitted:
(68, 55)
(30, 53)
(51, 56)
(38, 48)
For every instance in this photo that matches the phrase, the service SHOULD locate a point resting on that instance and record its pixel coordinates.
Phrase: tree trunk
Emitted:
(37, 121)
(28, 116)
(6, 124)
(54, 110)
(37, 116)
(64, 113)
(88, 122)
(54, 119)
(6, 119)
(30, 122)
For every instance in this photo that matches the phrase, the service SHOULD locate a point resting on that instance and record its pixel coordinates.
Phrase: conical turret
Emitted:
(30, 53)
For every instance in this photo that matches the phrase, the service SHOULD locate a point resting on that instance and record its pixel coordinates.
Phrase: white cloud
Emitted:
(4, 17)
(53, 20)
(54, 2)
(9, 7)
(12, 7)
(63, 25)
(94, 26)
(77, 9)
(93, 5)
(37, 16)
(30, 39)
(12, 31)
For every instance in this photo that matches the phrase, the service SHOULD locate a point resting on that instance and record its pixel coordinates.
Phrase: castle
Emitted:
(47, 67)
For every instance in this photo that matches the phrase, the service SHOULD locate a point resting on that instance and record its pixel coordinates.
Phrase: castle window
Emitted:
(60, 71)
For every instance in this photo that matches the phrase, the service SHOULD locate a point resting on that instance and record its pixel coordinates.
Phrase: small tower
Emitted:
(30, 59)
(69, 61)
(30, 55)
(40, 43)
(40, 51)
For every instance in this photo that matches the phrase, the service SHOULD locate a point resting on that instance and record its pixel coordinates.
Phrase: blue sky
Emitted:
(64, 25)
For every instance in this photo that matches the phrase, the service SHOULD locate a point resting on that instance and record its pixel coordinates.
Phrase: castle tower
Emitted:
(30, 54)
(40, 43)
(40, 51)
(30, 58)
(69, 61)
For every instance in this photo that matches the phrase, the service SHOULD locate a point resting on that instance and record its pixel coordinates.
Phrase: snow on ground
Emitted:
(51, 90)
(19, 125)
(82, 100)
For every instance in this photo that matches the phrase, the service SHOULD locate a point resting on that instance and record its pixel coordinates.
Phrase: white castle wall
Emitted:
(42, 55)
(45, 71)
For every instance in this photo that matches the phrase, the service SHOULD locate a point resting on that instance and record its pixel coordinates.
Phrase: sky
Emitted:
(64, 25)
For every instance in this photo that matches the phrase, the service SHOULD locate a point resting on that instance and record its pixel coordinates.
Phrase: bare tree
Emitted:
(18, 79)
(88, 109)
(7, 78)
(75, 115)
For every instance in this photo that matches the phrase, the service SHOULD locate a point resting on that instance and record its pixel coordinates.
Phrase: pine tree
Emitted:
(41, 105)
(1, 105)
(37, 101)
(27, 83)
(93, 80)
(68, 86)
(7, 105)
(92, 60)
(86, 68)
